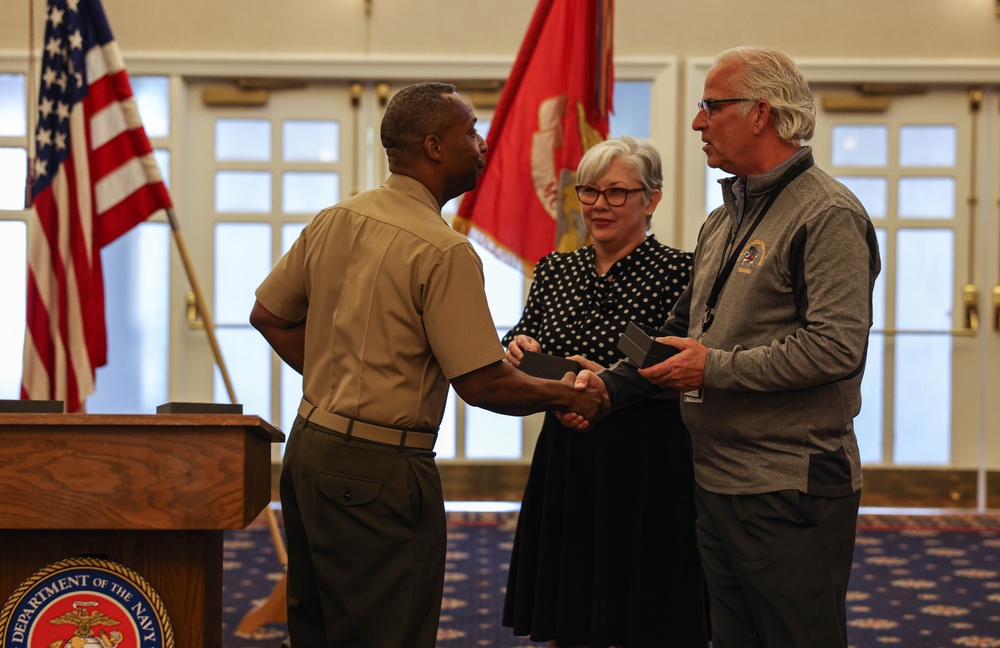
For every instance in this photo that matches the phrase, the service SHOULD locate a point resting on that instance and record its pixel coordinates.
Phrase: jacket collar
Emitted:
(765, 182)
(760, 185)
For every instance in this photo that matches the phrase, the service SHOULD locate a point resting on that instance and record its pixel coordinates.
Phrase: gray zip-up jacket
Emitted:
(788, 340)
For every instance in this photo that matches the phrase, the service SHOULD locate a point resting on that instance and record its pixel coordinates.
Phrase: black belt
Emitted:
(367, 431)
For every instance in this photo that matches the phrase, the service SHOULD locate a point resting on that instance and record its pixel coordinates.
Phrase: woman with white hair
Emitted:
(605, 553)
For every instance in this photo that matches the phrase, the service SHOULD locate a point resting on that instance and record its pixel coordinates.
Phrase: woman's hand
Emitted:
(517, 347)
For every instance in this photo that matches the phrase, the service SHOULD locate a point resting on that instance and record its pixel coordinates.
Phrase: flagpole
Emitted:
(200, 304)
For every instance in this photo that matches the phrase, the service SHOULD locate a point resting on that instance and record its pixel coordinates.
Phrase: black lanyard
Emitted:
(723, 276)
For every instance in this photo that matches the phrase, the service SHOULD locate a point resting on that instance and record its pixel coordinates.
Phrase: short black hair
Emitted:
(411, 113)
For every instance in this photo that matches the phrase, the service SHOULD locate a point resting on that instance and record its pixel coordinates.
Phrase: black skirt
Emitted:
(605, 551)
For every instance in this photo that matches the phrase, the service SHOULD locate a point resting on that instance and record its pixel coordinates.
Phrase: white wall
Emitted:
(804, 28)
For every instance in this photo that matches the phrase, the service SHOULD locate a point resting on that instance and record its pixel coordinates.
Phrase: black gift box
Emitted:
(31, 407)
(542, 365)
(199, 408)
(639, 344)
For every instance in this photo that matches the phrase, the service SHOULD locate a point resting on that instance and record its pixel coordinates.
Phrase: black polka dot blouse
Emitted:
(572, 310)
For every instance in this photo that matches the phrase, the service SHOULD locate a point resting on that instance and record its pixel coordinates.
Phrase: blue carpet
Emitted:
(919, 581)
(925, 582)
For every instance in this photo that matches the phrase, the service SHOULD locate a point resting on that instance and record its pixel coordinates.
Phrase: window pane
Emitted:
(860, 145)
(924, 279)
(868, 425)
(489, 435)
(927, 146)
(308, 192)
(311, 141)
(878, 293)
(152, 96)
(13, 120)
(243, 139)
(713, 191)
(162, 157)
(872, 192)
(137, 282)
(631, 109)
(242, 260)
(927, 197)
(922, 400)
(445, 445)
(248, 362)
(13, 266)
(13, 175)
(243, 191)
(504, 289)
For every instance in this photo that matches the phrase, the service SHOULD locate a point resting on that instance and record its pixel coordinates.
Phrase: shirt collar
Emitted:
(414, 189)
(634, 257)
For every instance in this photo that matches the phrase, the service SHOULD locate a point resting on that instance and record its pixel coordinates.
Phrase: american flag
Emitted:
(95, 179)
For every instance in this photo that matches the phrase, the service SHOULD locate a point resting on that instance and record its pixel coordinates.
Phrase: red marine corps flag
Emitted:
(553, 107)
(95, 178)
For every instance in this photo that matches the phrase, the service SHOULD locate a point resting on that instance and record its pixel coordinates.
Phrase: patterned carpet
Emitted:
(919, 581)
(925, 582)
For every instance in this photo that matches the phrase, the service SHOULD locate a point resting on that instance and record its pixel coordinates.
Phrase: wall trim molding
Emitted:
(397, 67)
(913, 488)
(332, 67)
(909, 70)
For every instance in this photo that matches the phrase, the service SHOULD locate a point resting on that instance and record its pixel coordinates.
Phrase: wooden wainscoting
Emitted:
(884, 487)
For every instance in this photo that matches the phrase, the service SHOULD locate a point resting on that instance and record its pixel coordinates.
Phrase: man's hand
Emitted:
(517, 347)
(595, 392)
(683, 371)
(587, 363)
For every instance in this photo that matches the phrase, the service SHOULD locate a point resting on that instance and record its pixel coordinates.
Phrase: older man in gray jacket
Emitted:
(773, 333)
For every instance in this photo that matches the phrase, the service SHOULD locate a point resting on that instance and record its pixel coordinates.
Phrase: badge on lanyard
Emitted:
(694, 396)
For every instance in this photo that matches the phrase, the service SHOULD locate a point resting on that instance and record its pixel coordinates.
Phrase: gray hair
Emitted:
(413, 113)
(771, 75)
(641, 158)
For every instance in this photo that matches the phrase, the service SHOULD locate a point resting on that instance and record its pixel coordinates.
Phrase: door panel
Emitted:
(257, 175)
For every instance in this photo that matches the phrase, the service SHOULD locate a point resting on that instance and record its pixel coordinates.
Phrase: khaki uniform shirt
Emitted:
(396, 306)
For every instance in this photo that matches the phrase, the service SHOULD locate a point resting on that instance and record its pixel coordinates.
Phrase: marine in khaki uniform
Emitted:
(380, 305)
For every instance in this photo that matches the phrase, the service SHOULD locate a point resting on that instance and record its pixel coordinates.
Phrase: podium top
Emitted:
(106, 421)
(134, 471)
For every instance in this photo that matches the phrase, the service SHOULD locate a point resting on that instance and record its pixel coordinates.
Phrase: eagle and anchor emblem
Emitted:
(85, 603)
(83, 635)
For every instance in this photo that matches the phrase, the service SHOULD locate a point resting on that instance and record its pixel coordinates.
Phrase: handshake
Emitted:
(590, 400)
(682, 368)
(591, 403)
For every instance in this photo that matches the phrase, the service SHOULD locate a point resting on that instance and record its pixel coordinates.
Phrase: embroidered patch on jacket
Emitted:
(85, 602)
(753, 255)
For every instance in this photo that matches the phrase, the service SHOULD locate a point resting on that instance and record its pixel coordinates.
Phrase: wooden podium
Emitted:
(151, 492)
